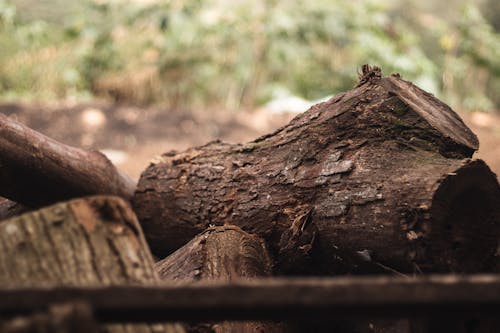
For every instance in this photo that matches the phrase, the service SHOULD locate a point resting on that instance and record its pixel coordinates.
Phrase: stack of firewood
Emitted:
(376, 180)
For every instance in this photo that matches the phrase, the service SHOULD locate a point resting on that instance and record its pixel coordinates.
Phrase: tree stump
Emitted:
(83, 242)
(376, 179)
(224, 253)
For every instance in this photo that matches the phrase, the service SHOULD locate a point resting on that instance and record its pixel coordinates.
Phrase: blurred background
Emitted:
(139, 77)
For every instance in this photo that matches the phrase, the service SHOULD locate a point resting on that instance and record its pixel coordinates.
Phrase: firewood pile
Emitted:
(336, 222)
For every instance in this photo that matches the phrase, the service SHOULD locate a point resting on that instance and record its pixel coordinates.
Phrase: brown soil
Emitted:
(143, 133)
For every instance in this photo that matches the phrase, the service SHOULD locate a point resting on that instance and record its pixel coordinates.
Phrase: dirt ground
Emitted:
(132, 136)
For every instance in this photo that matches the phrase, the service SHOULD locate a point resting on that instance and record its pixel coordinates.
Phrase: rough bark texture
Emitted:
(36, 170)
(376, 179)
(91, 241)
(225, 254)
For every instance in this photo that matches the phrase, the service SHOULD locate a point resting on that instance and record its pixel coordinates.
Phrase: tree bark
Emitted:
(83, 242)
(226, 254)
(36, 170)
(376, 179)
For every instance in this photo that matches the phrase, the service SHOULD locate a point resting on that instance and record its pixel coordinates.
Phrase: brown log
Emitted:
(36, 170)
(91, 241)
(376, 179)
(223, 254)
(443, 296)
(227, 253)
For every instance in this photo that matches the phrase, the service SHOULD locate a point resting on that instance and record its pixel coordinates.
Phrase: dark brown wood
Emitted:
(443, 296)
(225, 254)
(36, 170)
(91, 241)
(375, 180)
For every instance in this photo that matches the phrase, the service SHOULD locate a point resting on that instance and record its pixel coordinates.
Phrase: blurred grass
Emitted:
(236, 54)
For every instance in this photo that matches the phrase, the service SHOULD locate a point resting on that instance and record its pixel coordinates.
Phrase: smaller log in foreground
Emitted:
(275, 299)
(222, 254)
(83, 242)
(36, 170)
(375, 180)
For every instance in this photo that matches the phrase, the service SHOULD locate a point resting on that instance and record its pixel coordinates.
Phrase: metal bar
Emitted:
(274, 299)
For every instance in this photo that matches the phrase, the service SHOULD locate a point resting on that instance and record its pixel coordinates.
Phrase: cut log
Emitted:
(36, 170)
(376, 179)
(226, 254)
(91, 241)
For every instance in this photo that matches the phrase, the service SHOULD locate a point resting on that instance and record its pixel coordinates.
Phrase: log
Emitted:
(376, 179)
(36, 170)
(223, 254)
(91, 241)
(227, 253)
(443, 296)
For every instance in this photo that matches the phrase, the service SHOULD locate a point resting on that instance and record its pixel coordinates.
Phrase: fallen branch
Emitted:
(445, 296)
(36, 170)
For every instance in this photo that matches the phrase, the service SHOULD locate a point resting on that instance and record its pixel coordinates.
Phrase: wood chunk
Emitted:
(83, 242)
(223, 254)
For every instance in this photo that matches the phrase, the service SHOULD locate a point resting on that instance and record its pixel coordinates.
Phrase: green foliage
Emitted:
(240, 53)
